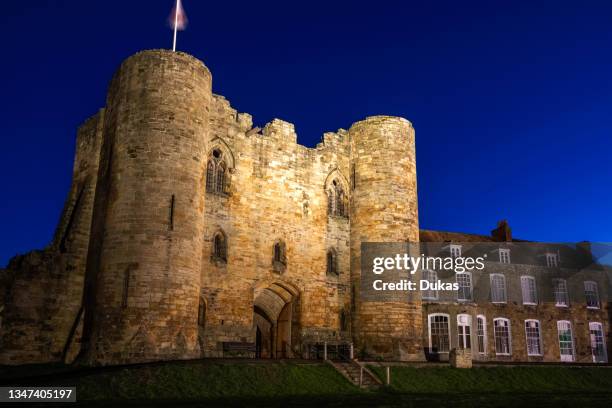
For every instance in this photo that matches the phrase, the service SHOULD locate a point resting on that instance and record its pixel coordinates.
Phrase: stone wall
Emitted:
(41, 292)
(276, 192)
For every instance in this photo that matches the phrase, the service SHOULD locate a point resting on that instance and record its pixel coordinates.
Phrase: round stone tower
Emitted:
(144, 266)
(384, 210)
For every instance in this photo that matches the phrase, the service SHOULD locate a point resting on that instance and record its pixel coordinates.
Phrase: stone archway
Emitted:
(272, 320)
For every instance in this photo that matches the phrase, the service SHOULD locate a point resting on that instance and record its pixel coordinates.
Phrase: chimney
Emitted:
(502, 233)
(585, 253)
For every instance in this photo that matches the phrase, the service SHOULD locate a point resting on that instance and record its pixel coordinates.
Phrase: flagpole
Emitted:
(175, 24)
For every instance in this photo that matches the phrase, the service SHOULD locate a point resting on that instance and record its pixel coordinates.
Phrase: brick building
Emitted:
(190, 233)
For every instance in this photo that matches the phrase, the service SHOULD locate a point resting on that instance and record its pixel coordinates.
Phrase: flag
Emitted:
(177, 18)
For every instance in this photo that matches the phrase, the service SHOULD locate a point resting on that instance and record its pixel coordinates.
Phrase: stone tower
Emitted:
(145, 257)
(384, 209)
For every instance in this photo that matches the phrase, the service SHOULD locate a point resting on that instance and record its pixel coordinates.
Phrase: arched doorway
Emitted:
(273, 313)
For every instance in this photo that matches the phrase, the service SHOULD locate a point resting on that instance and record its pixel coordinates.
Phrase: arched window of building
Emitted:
(210, 177)
(219, 247)
(332, 262)
(439, 333)
(598, 343)
(216, 180)
(220, 184)
(464, 331)
(337, 199)
(481, 334)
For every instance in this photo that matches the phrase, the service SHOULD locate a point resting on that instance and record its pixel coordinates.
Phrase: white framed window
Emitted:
(464, 331)
(560, 292)
(534, 338)
(455, 250)
(598, 343)
(481, 334)
(503, 339)
(504, 255)
(566, 340)
(431, 277)
(528, 288)
(498, 288)
(439, 332)
(591, 295)
(464, 280)
(552, 260)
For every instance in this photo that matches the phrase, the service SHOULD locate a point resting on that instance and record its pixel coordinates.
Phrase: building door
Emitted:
(566, 340)
(464, 331)
(598, 345)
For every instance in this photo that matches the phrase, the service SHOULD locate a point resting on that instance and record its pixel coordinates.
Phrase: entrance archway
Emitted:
(273, 313)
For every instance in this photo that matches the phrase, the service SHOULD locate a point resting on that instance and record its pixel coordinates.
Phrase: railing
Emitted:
(334, 352)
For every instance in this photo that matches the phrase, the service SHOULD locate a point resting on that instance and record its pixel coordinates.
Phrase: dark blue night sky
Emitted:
(511, 100)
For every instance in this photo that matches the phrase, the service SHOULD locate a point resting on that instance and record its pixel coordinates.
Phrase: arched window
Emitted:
(481, 334)
(220, 185)
(439, 333)
(337, 204)
(219, 252)
(332, 262)
(216, 180)
(464, 331)
(210, 177)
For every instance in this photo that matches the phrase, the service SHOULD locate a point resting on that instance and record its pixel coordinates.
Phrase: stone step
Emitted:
(351, 370)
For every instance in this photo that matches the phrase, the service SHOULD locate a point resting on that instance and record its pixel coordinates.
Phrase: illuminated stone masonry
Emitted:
(189, 233)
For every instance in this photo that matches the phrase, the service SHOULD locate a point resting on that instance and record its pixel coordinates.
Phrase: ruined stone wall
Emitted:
(42, 291)
(276, 191)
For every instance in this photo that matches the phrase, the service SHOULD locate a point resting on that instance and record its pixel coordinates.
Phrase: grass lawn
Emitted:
(272, 384)
(499, 380)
